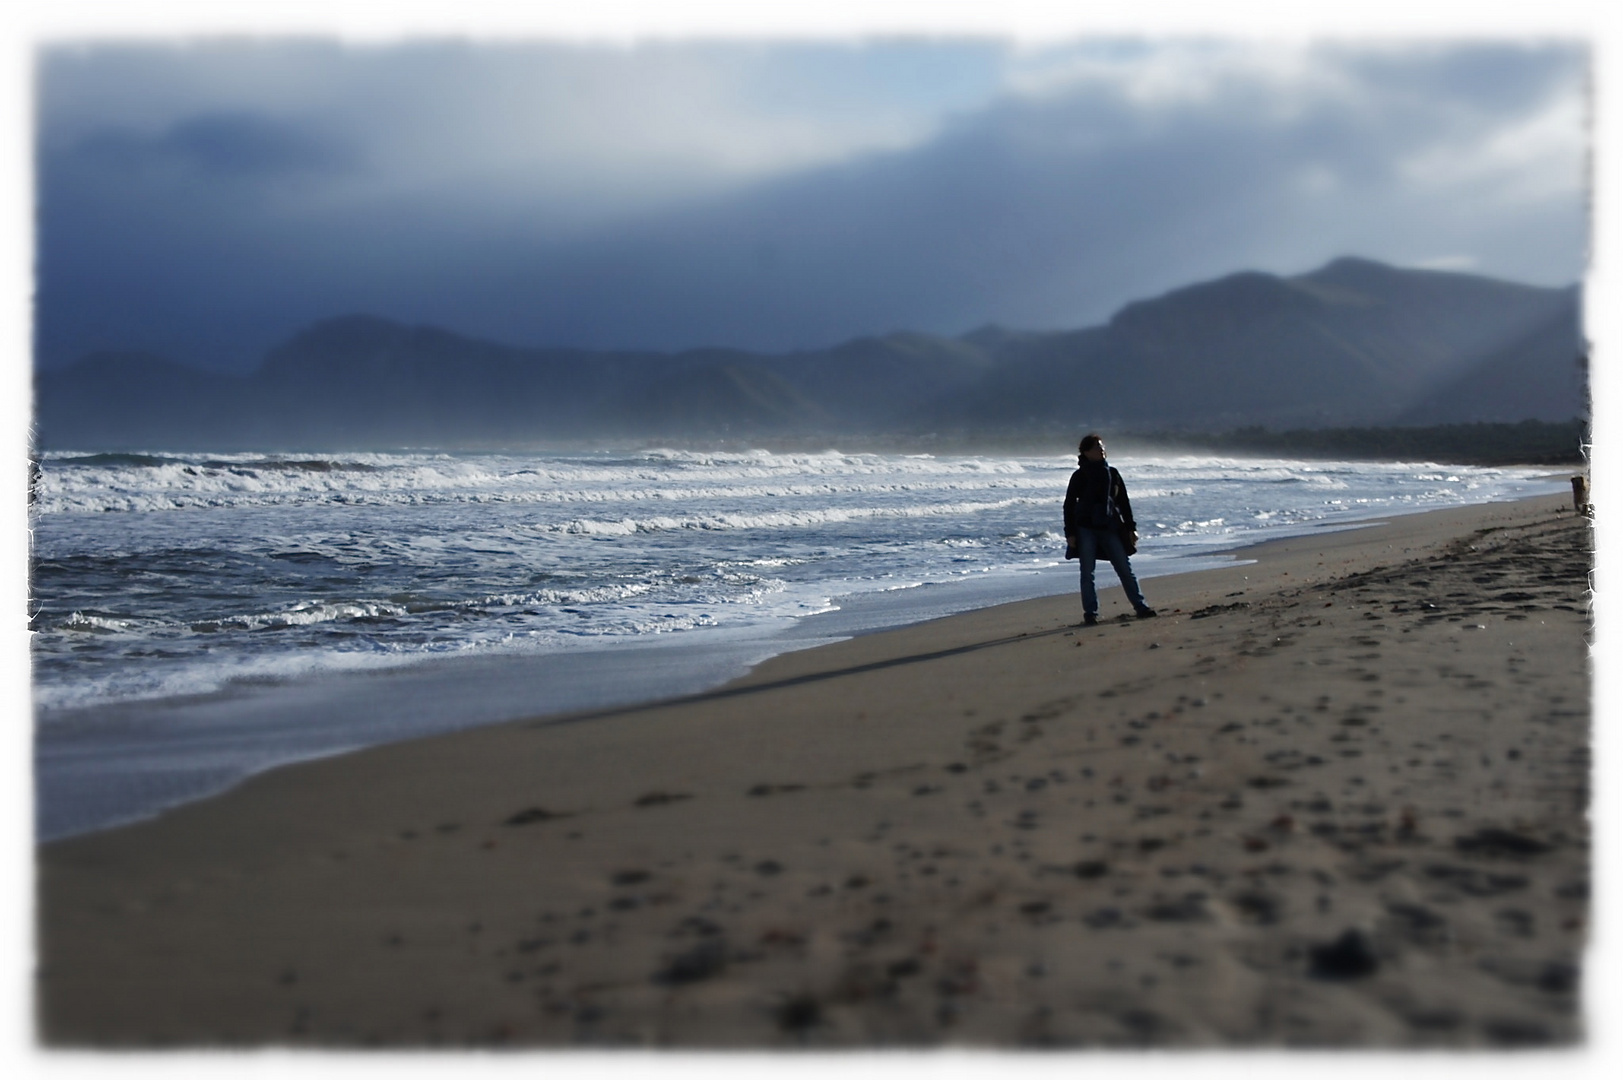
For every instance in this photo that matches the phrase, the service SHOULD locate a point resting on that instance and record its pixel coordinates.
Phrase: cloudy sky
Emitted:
(206, 201)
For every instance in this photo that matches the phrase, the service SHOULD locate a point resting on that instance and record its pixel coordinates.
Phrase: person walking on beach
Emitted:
(1097, 513)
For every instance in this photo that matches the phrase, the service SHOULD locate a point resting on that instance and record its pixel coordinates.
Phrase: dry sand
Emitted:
(1335, 797)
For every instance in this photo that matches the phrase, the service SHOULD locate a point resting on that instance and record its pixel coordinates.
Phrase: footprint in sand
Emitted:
(704, 961)
(763, 790)
(528, 816)
(660, 798)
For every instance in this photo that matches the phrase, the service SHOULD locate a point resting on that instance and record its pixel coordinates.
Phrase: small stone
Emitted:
(1348, 957)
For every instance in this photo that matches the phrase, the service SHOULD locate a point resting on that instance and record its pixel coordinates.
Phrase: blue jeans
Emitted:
(1092, 543)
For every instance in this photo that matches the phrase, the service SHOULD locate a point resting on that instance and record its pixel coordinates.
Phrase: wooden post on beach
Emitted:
(1580, 495)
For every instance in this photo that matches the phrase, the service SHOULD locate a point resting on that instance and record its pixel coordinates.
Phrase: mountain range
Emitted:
(1355, 342)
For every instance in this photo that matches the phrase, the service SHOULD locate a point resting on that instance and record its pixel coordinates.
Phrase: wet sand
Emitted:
(1335, 797)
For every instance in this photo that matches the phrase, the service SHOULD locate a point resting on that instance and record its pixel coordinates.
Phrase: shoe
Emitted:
(1146, 613)
(1090, 620)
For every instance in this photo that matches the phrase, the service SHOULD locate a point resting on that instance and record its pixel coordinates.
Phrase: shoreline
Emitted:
(1332, 797)
(347, 712)
(199, 747)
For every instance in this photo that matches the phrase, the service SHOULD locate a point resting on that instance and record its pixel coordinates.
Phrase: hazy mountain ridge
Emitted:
(1355, 342)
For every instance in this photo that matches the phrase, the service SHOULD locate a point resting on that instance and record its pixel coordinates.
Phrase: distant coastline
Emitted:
(1529, 442)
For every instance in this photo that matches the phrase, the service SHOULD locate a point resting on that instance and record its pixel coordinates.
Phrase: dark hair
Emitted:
(1090, 441)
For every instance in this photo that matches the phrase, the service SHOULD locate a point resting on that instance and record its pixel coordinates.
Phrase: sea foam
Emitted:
(158, 573)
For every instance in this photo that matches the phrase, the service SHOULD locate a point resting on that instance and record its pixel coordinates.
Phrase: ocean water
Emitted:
(170, 592)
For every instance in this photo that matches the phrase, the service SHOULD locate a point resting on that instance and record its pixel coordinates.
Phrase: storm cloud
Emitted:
(205, 202)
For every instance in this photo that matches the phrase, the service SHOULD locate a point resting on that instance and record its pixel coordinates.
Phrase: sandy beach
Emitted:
(1334, 796)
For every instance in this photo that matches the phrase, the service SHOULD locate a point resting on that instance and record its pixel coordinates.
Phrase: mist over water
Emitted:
(158, 574)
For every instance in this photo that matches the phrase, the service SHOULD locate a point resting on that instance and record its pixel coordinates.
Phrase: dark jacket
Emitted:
(1092, 488)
